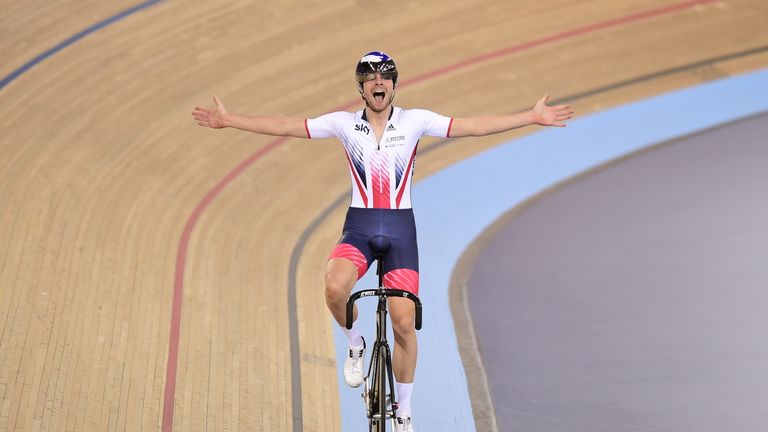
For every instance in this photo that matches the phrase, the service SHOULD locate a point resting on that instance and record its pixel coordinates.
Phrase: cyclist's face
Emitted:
(378, 90)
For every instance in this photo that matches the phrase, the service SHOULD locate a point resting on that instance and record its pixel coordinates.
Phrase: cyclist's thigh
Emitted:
(406, 279)
(350, 251)
(340, 276)
(353, 244)
(401, 263)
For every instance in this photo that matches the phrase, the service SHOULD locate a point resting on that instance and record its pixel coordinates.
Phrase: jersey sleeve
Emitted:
(434, 124)
(324, 126)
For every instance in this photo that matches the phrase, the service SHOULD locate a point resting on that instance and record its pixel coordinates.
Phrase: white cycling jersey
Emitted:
(375, 167)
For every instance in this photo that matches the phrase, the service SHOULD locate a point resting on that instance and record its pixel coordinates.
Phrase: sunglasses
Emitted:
(372, 76)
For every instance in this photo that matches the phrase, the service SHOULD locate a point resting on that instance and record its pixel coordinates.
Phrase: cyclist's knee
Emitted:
(339, 282)
(404, 326)
(403, 318)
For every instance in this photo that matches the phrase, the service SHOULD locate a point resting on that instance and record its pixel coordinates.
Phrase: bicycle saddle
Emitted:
(379, 245)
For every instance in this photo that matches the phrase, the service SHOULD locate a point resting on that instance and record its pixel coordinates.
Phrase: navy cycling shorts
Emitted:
(400, 262)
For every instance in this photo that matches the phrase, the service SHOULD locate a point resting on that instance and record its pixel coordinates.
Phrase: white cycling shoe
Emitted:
(403, 424)
(353, 367)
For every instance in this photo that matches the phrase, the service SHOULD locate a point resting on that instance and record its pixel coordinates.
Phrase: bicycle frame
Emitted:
(380, 366)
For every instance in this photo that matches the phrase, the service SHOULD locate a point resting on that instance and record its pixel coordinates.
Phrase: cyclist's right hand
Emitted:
(211, 117)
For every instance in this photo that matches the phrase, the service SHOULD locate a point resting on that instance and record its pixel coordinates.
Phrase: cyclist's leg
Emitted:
(340, 278)
(401, 271)
(346, 264)
(403, 314)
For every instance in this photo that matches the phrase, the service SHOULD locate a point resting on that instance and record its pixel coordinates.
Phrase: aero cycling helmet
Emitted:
(370, 64)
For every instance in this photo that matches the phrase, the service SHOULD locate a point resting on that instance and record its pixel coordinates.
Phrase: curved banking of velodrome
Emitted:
(158, 276)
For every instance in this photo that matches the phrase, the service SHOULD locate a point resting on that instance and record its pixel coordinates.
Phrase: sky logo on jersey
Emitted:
(362, 128)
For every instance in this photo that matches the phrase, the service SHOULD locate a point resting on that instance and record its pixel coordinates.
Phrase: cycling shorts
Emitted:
(401, 260)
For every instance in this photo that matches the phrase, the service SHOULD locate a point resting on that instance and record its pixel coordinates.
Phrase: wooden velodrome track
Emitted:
(112, 200)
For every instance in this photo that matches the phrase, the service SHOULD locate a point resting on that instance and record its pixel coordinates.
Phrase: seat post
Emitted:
(381, 311)
(380, 271)
(380, 244)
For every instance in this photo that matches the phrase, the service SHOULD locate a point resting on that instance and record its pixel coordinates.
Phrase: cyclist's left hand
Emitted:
(546, 115)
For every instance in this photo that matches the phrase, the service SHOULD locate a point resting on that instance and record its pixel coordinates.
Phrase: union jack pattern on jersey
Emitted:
(380, 171)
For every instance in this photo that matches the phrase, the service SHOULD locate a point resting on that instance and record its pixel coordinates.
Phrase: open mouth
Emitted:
(378, 95)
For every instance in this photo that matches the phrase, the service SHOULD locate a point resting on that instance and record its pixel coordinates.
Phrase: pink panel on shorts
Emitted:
(345, 250)
(404, 279)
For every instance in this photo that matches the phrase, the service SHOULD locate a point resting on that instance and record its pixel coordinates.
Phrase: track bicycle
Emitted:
(379, 390)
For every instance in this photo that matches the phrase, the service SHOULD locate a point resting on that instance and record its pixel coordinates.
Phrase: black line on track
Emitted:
(21, 70)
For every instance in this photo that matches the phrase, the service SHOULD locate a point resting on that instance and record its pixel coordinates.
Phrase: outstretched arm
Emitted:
(540, 114)
(218, 118)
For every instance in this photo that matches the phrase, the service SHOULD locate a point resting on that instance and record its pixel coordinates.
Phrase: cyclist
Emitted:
(380, 141)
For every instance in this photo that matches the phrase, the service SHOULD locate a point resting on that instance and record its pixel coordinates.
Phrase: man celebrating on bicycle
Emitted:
(380, 142)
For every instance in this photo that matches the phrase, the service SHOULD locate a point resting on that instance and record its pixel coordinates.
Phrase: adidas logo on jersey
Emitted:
(391, 127)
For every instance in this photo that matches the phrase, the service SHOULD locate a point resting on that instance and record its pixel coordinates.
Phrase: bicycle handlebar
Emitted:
(383, 293)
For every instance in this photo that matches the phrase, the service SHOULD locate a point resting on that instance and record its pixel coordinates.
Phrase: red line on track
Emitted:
(178, 286)
(579, 31)
(181, 254)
